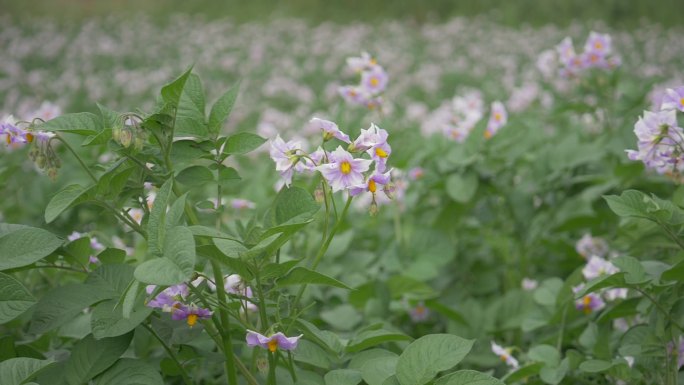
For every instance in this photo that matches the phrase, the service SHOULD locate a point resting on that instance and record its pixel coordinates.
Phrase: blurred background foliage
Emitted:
(615, 13)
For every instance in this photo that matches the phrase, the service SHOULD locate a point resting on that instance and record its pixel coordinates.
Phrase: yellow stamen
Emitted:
(345, 167)
(273, 345)
(487, 134)
(373, 62)
(381, 153)
(598, 45)
(593, 58)
(681, 101)
(504, 357)
(586, 301)
(29, 137)
(374, 81)
(372, 187)
(497, 117)
(420, 310)
(192, 320)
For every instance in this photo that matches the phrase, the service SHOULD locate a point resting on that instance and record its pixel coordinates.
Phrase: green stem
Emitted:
(272, 362)
(665, 312)
(225, 323)
(78, 158)
(184, 374)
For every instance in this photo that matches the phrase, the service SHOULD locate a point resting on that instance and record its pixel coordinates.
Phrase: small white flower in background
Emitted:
(597, 267)
(588, 246)
(529, 284)
(505, 355)
(242, 204)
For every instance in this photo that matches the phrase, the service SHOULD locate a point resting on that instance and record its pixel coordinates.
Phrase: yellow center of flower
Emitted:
(586, 301)
(192, 320)
(681, 101)
(352, 93)
(503, 357)
(8, 138)
(374, 81)
(29, 137)
(273, 345)
(487, 134)
(345, 167)
(373, 62)
(372, 187)
(593, 58)
(598, 45)
(420, 309)
(381, 153)
(498, 117)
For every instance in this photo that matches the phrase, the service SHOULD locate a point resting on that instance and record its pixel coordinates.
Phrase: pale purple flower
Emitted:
(673, 99)
(529, 284)
(588, 246)
(660, 142)
(614, 294)
(284, 154)
(191, 314)
(330, 130)
(374, 183)
(598, 44)
(272, 342)
(419, 313)
(47, 111)
(505, 355)
(362, 63)
(169, 299)
(416, 173)
(597, 267)
(566, 50)
(343, 171)
(374, 80)
(497, 119)
(354, 94)
(588, 303)
(369, 138)
(241, 204)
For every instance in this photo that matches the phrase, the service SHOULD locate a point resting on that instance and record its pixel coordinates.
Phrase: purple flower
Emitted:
(354, 94)
(597, 267)
(497, 119)
(330, 130)
(416, 173)
(343, 171)
(419, 313)
(529, 284)
(241, 204)
(588, 246)
(285, 157)
(660, 142)
(374, 81)
(505, 355)
(673, 99)
(566, 50)
(362, 63)
(374, 182)
(273, 342)
(588, 303)
(170, 299)
(598, 44)
(191, 314)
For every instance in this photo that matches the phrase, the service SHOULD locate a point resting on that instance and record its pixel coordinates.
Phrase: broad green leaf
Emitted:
(6, 228)
(110, 280)
(61, 305)
(195, 176)
(302, 275)
(376, 370)
(631, 203)
(468, 377)
(176, 266)
(634, 271)
(15, 299)
(156, 224)
(110, 118)
(101, 137)
(130, 371)
(227, 176)
(545, 353)
(107, 319)
(82, 123)
(595, 366)
(596, 284)
(370, 338)
(242, 143)
(191, 108)
(26, 246)
(675, 273)
(323, 338)
(222, 108)
(66, 198)
(523, 372)
(292, 205)
(343, 377)
(17, 371)
(425, 357)
(204, 231)
(171, 93)
(310, 353)
(174, 217)
(461, 188)
(89, 357)
(554, 375)
(234, 263)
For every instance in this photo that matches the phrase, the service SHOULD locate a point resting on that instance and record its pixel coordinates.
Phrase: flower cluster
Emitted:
(130, 134)
(372, 83)
(42, 152)
(173, 300)
(456, 118)
(660, 144)
(597, 54)
(597, 267)
(340, 168)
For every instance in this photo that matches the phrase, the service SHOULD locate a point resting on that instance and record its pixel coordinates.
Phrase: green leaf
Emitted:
(546, 354)
(292, 205)
(130, 371)
(101, 138)
(309, 353)
(595, 366)
(468, 377)
(343, 377)
(82, 123)
(301, 276)
(171, 93)
(204, 231)
(90, 357)
(174, 217)
(227, 175)
(195, 176)
(554, 375)
(378, 369)
(26, 246)
(634, 271)
(675, 273)
(110, 118)
(15, 299)
(631, 203)
(111, 280)
(156, 227)
(17, 371)
(425, 357)
(234, 263)
(222, 108)
(107, 320)
(596, 284)
(242, 143)
(461, 188)
(370, 338)
(69, 196)
(191, 108)
(176, 266)
(62, 304)
(523, 372)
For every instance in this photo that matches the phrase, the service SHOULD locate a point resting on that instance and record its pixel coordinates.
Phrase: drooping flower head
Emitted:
(343, 171)
(505, 355)
(497, 119)
(191, 314)
(273, 342)
(330, 130)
